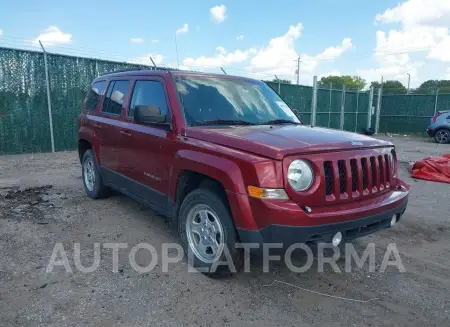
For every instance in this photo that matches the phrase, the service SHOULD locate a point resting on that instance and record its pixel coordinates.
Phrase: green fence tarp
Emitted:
(24, 123)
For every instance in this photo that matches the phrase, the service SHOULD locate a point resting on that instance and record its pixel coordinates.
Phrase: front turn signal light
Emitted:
(267, 193)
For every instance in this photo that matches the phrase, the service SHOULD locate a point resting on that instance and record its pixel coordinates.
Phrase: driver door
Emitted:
(148, 150)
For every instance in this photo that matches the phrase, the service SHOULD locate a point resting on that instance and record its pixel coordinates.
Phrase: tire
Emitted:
(92, 180)
(442, 136)
(192, 212)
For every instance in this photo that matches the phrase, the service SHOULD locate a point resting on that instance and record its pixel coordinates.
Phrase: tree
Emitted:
(430, 87)
(283, 81)
(350, 82)
(391, 87)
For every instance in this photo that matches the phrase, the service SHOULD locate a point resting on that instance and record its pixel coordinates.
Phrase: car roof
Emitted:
(162, 72)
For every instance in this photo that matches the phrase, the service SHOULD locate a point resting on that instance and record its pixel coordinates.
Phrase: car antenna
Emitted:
(151, 59)
(223, 71)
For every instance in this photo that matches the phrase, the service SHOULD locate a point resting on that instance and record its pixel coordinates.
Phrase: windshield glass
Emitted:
(210, 99)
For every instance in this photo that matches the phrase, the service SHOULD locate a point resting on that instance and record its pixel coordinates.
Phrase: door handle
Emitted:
(98, 126)
(125, 133)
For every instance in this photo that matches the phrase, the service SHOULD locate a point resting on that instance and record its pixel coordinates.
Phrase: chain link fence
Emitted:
(24, 110)
(24, 105)
(334, 108)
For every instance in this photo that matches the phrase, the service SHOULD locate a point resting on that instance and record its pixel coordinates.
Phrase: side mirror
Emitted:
(149, 115)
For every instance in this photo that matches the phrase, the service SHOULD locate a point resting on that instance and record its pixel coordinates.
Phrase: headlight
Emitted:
(392, 162)
(300, 175)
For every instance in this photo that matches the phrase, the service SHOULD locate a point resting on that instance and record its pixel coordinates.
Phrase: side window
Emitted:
(148, 93)
(94, 94)
(115, 96)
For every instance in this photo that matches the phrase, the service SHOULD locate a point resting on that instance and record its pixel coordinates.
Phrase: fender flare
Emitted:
(221, 169)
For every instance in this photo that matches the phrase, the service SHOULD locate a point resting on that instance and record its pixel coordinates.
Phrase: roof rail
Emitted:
(138, 68)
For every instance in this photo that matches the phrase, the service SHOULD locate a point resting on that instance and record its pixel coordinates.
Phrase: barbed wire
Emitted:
(126, 57)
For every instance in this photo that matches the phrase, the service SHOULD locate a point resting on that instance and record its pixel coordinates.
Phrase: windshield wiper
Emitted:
(221, 122)
(279, 121)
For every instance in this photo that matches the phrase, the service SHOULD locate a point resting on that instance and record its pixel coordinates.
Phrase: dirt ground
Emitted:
(42, 202)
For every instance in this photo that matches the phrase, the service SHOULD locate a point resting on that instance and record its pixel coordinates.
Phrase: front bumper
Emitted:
(288, 235)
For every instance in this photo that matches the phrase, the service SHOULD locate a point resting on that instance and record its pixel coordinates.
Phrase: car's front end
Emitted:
(351, 194)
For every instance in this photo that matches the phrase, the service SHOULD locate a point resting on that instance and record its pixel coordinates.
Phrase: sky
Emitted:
(260, 39)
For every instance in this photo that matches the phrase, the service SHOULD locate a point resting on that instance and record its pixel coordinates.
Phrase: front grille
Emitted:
(354, 168)
(381, 169)
(342, 179)
(328, 177)
(373, 177)
(374, 170)
(364, 172)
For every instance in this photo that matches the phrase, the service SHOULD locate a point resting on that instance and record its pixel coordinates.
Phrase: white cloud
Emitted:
(423, 32)
(221, 49)
(155, 41)
(447, 74)
(218, 14)
(145, 60)
(331, 53)
(441, 51)
(417, 12)
(1, 31)
(240, 37)
(221, 59)
(136, 40)
(279, 56)
(392, 67)
(52, 35)
(424, 28)
(183, 29)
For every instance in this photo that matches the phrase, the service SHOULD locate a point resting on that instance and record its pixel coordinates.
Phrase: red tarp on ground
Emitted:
(435, 169)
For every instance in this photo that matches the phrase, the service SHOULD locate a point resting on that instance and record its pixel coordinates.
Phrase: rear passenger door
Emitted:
(148, 152)
(108, 125)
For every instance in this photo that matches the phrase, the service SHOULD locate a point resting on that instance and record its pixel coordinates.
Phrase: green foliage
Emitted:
(391, 87)
(430, 87)
(350, 82)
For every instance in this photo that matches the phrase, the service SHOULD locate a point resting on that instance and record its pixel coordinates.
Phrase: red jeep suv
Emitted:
(229, 162)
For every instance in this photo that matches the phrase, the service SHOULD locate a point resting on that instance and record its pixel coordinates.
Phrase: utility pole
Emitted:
(409, 80)
(298, 70)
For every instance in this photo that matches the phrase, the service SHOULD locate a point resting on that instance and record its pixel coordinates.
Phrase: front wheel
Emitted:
(442, 136)
(92, 180)
(207, 232)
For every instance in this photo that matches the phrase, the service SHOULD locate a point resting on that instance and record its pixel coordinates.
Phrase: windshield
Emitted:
(214, 100)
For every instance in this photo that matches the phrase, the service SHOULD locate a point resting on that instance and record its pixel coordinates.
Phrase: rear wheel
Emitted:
(207, 232)
(442, 136)
(92, 180)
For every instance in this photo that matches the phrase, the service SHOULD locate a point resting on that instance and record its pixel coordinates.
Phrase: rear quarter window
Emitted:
(93, 96)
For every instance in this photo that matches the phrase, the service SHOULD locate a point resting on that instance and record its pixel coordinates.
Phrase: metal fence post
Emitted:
(96, 68)
(341, 124)
(314, 102)
(377, 117)
(49, 103)
(436, 101)
(357, 109)
(369, 112)
(329, 107)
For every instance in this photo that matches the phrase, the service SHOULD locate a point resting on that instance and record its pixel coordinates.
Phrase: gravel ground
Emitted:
(42, 202)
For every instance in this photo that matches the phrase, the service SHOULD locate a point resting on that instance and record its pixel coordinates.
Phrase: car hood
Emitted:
(278, 141)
